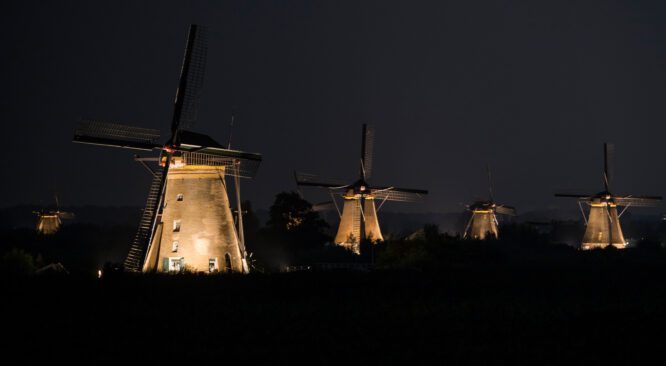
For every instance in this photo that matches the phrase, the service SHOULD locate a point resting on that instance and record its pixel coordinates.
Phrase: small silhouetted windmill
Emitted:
(483, 219)
(603, 222)
(187, 221)
(358, 219)
(49, 220)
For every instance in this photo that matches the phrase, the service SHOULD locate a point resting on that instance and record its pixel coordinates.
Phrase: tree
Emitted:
(292, 216)
(294, 232)
(431, 232)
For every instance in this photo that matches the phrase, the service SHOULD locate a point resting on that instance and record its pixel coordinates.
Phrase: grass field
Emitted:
(587, 311)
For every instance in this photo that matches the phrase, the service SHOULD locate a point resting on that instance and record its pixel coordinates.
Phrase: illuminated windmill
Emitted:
(49, 221)
(358, 219)
(603, 222)
(187, 222)
(483, 220)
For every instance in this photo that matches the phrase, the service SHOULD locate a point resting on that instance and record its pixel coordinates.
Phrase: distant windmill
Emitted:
(187, 221)
(49, 221)
(358, 220)
(483, 219)
(603, 222)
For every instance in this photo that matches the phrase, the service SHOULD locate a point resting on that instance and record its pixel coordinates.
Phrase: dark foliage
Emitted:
(78, 247)
(596, 310)
(523, 299)
(294, 234)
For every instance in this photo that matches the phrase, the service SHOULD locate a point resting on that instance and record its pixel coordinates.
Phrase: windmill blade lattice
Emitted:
(638, 201)
(66, 215)
(191, 79)
(323, 206)
(505, 210)
(609, 150)
(399, 194)
(572, 195)
(312, 180)
(116, 135)
(367, 148)
(490, 184)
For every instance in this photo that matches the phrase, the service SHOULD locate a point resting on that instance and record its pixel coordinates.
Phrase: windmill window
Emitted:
(174, 246)
(179, 197)
(176, 225)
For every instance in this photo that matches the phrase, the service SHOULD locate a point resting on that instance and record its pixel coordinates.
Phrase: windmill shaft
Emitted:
(358, 222)
(603, 227)
(196, 229)
(483, 223)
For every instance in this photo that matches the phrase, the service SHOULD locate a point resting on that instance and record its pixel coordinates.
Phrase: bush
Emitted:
(17, 262)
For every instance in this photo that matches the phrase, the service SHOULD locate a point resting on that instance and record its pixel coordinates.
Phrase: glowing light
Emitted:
(99, 273)
(201, 244)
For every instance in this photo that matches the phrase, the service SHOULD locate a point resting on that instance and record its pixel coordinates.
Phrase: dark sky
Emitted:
(533, 88)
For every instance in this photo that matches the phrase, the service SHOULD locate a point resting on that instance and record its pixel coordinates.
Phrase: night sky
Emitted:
(532, 89)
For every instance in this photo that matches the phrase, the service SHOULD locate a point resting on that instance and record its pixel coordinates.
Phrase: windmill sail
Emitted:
(638, 201)
(399, 194)
(66, 215)
(367, 149)
(608, 172)
(323, 206)
(191, 79)
(305, 179)
(505, 210)
(116, 135)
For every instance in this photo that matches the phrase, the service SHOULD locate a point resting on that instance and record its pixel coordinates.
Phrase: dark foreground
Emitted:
(527, 313)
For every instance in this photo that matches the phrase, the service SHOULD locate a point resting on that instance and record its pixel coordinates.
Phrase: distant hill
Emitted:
(400, 224)
(393, 224)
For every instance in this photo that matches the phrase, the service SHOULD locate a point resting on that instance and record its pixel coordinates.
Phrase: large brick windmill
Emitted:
(603, 222)
(358, 219)
(187, 222)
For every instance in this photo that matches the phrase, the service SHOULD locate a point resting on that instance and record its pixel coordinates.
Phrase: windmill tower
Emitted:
(358, 219)
(603, 222)
(49, 221)
(483, 219)
(187, 222)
